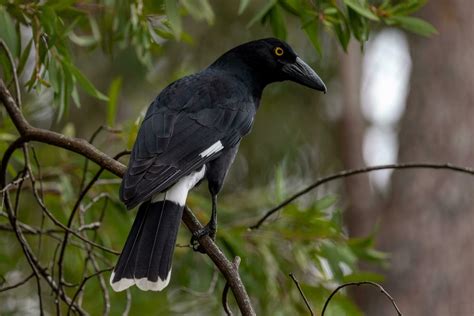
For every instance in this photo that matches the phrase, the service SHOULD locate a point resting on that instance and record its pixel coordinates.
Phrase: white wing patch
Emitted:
(121, 284)
(143, 284)
(146, 285)
(179, 192)
(214, 148)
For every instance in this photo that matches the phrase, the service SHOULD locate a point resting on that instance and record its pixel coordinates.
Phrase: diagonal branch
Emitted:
(306, 302)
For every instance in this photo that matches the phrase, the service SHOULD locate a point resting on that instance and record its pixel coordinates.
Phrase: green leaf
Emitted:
(243, 5)
(172, 11)
(415, 25)
(5, 66)
(84, 82)
(84, 41)
(325, 202)
(75, 96)
(199, 10)
(310, 26)
(59, 96)
(292, 6)
(6, 137)
(343, 36)
(362, 9)
(358, 25)
(69, 83)
(407, 7)
(262, 12)
(8, 32)
(59, 5)
(114, 92)
(24, 57)
(277, 22)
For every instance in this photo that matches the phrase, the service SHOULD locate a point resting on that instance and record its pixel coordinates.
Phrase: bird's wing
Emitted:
(175, 140)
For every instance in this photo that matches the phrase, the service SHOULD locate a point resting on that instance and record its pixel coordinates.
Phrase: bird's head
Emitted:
(274, 60)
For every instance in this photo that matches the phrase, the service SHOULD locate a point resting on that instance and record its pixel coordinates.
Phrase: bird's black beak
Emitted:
(302, 73)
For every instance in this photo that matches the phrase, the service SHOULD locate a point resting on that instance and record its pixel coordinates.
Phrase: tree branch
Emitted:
(306, 302)
(7, 288)
(352, 172)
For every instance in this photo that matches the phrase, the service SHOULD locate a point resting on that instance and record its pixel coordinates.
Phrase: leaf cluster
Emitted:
(346, 19)
(43, 37)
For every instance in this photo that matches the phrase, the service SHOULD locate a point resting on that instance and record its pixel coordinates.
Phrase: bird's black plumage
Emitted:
(192, 131)
(185, 119)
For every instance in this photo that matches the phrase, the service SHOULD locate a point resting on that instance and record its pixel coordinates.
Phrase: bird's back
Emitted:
(186, 118)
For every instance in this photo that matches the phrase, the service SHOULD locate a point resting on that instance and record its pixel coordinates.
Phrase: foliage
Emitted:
(50, 31)
(308, 239)
(346, 19)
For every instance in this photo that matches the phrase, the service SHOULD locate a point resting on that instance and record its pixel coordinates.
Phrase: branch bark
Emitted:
(82, 147)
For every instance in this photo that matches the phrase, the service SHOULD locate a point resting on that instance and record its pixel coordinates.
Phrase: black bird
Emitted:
(192, 132)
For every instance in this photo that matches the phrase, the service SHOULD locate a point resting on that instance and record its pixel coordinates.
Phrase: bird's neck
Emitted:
(247, 73)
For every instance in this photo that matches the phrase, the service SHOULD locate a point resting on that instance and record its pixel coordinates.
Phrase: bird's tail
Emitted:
(148, 251)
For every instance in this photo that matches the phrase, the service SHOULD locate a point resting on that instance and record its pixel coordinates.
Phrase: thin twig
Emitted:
(69, 224)
(292, 276)
(225, 303)
(352, 172)
(91, 257)
(83, 283)
(15, 183)
(38, 270)
(6, 157)
(382, 290)
(91, 141)
(7, 288)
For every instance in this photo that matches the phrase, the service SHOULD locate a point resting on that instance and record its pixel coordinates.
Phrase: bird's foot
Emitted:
(206, 230)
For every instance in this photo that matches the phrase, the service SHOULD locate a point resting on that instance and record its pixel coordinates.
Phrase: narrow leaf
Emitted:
(415, 25)
(277, 22)
(199, 10)
(262, 12)
(8, 32)
(114, 92)
(361, 9)
(172, 11)
(310, 26)
(24, 57)
(84, 82)
(243, 5)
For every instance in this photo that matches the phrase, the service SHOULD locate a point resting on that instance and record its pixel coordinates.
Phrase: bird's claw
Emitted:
(206, 230)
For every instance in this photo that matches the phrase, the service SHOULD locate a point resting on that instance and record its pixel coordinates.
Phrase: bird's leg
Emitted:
(210, 228)
(213, 222)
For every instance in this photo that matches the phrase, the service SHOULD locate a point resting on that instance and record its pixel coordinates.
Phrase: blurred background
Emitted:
(402, 98)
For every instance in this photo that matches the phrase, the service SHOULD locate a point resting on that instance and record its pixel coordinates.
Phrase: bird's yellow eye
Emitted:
(278, 51)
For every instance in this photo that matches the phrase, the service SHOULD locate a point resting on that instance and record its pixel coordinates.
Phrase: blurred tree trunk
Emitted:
(428, 224)
(357, 216)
